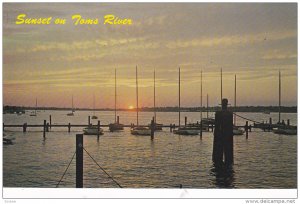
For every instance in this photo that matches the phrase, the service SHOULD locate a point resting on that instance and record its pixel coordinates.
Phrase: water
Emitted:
(265, 160)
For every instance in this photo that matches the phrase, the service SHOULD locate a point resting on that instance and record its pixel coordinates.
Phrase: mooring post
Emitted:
(89, 120)
(98, 132)
(250, 128)
(201, 130)
(118, 119)
(270, 124)
(152, 126)
(79, 160)
(69, 127)
(185, 120)
(44, 131)
(246, 128)
(24, 127)
(47, 127)
(50, 120)
(223, 136)
(288, 122)
(170, 127)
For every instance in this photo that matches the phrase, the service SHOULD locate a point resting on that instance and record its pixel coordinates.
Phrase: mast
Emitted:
(154, 99)
(207, 106)
(179, 99)
(72, 104)
(115, 95)
(93, 103)
(137, 97)
(234, 99)
(201, 98)
(35, 106)
(221, 86)
(279, 105)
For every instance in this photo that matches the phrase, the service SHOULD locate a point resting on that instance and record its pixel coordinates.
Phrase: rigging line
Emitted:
(247, 118)
(102, 169)
(66, 170)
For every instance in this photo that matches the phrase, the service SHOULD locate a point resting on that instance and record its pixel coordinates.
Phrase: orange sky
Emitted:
(54, 62)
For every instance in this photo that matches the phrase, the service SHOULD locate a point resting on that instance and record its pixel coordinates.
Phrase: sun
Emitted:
(130, 107)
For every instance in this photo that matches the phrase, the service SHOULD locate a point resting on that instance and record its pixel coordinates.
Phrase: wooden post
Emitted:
(98, 126)
(201, 130)
(152, 126)
(44, 131)
(288, 122)
(79, 160)
(89, 120)
(270, 124)
(170, 127)
(118, 119)
(185, 120)
(47, 127)
(246, 128)
(69, 127)
(24, 127)
(223, 136)
(50, 120)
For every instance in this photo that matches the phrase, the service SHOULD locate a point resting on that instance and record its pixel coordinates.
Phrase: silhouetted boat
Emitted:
(285, 130)
(145, 131)
(72, 111)
(116, 126)
(238, 131)
(92, 130)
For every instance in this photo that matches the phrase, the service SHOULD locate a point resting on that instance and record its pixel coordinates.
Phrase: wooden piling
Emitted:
(185, 121)
(288, 122)
(170, 127)
(89, 120)
(44, 130)
(50, 120)
(98, 126)
(47, 127)
(118, 119)
(223, 136)
(24, 127)
(69, 127)
(79, 160)
(152, 126)
(201, 130)
(246, 129)
(270, 124)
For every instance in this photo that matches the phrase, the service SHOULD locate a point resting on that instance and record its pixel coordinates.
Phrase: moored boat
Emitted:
(144, 131)
(92, 130)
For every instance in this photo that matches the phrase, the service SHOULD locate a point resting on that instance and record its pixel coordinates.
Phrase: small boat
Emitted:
(187, 131)
(285, 130)
(33, 113)
(72, 111)
(92, 130)
(7, 141)
(94, 116)
(140, 131)
(115, 127)
(238, 131)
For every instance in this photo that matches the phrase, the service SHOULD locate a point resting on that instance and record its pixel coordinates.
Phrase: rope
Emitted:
(65, 170)
(102, 169)
(247, 118)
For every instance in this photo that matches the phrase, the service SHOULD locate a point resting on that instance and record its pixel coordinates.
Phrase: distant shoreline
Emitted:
(262, 109)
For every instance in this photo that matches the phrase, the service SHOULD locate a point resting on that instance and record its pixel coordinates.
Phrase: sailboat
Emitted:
(33, 113)
(236, 130)
(72, 111)
(157, 126)
(186, 130)
(116, 126)
(94, 116)
(138, 130)
(281, 127)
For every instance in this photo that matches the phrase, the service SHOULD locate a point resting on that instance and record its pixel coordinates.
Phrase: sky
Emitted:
(53, 62)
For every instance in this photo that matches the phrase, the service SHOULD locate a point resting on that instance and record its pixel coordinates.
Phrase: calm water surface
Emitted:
(265, 160)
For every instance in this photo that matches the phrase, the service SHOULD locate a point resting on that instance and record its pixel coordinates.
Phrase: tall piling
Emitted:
(79, 160)
(223, 136)
(98, 132)
(44, 129)
(50, 121)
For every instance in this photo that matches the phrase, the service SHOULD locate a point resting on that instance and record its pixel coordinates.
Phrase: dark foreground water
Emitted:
(265, 160)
